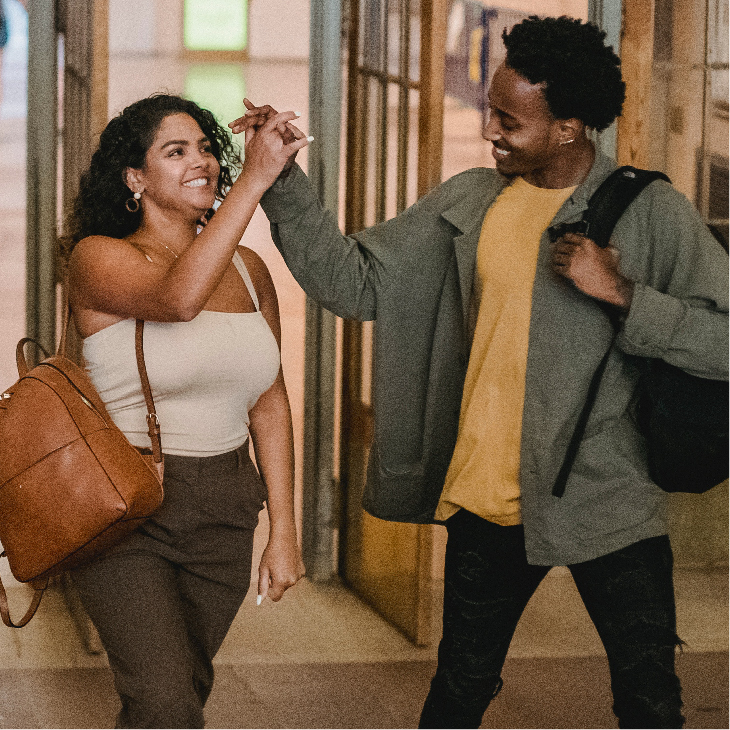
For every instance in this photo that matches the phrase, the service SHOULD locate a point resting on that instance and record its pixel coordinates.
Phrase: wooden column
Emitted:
(637, 55)
(431, 103)
(99, 70)
(85, 27)
(434, 15)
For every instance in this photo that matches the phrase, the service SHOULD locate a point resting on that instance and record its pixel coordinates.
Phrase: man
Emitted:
(488, 331)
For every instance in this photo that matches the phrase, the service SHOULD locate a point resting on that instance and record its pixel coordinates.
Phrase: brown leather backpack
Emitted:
(71, 484)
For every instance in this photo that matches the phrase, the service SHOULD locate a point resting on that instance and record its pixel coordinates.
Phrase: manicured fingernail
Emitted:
(310, 139)
(259, 599)
(299, 114)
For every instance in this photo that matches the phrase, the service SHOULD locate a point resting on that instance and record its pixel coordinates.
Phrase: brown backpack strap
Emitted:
(66, 309)
(153, 424)
(5, 610)
(20, 360)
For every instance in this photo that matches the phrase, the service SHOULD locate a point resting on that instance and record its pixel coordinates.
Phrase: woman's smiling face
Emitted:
(180, 169)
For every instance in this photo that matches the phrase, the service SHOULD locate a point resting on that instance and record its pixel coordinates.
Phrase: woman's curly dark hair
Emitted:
(581, 74)
(99, 208)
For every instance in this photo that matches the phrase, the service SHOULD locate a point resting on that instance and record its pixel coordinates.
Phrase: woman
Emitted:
(164, 598)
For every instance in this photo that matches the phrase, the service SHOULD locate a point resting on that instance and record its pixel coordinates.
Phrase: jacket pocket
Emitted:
(395, 490)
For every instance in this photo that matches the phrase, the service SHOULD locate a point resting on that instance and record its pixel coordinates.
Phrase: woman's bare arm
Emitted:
(271, 433)
(111, 276)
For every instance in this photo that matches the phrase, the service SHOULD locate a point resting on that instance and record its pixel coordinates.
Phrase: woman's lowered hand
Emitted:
(281, 566)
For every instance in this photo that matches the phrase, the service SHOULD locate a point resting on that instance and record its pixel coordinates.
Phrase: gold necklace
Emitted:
(168, 248)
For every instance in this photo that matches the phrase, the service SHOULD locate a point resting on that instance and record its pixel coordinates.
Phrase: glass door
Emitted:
(393, 156)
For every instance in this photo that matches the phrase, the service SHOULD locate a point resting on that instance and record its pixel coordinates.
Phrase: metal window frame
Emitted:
(41, 171)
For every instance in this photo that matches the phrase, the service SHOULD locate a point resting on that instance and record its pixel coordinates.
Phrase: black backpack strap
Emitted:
(719, 229)
(612, 198)
(608, 204)
(605, 208)
(580, 427)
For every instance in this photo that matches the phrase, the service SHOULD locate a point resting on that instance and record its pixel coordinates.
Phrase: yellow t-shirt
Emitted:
(483, 476)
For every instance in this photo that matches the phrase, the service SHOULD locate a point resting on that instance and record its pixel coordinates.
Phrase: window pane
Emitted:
(218, 87)
(215, 25)
(689, 100)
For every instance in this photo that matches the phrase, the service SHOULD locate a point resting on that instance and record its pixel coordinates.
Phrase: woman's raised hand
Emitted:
(264, 119)
(267, 152)
(254, 117)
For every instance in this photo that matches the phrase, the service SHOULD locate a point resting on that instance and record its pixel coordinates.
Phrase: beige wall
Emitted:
(146, 27)
(572, 8)
(131, 26)
(168, 26)
(278, 29)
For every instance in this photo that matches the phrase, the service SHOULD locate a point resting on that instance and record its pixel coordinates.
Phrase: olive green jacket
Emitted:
(413, 275)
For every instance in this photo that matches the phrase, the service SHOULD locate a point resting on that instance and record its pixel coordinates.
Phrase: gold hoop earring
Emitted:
(132, 204)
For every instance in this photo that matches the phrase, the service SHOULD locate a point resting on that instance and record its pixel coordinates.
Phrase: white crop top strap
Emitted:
(243, 271)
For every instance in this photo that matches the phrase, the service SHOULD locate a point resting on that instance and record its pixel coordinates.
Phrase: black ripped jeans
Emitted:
(629, 595)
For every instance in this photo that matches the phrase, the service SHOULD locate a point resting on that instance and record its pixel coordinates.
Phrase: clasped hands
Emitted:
(271, 140)
(592, 270)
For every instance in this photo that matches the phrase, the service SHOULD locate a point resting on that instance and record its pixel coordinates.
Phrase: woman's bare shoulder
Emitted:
(250, 256)
(256, 267)
(94, 248)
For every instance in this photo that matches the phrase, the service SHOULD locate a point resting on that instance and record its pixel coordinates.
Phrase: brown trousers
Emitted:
(164, 599)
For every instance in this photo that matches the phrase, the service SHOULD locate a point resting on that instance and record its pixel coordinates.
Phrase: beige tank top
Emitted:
(205, 375)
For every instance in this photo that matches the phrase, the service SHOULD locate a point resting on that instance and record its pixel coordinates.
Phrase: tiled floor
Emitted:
(317, 622)
(320, 657)
(553, 693)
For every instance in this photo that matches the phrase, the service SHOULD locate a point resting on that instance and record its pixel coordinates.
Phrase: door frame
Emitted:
(84, 25)
(41, 171)
(322, 523)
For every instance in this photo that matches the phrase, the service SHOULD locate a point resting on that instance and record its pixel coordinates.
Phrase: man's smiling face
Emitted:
(525, 135)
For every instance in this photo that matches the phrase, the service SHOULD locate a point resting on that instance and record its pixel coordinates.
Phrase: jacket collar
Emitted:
(469, 211)
(574, 206)
(467, 215)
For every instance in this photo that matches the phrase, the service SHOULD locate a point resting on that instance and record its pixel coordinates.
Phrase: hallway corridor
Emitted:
(321, 657)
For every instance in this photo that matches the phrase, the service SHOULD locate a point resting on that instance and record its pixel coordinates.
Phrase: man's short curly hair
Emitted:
(580, 73)
(99, 208)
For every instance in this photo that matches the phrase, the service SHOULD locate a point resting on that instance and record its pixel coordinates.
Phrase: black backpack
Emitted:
(684, 418)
